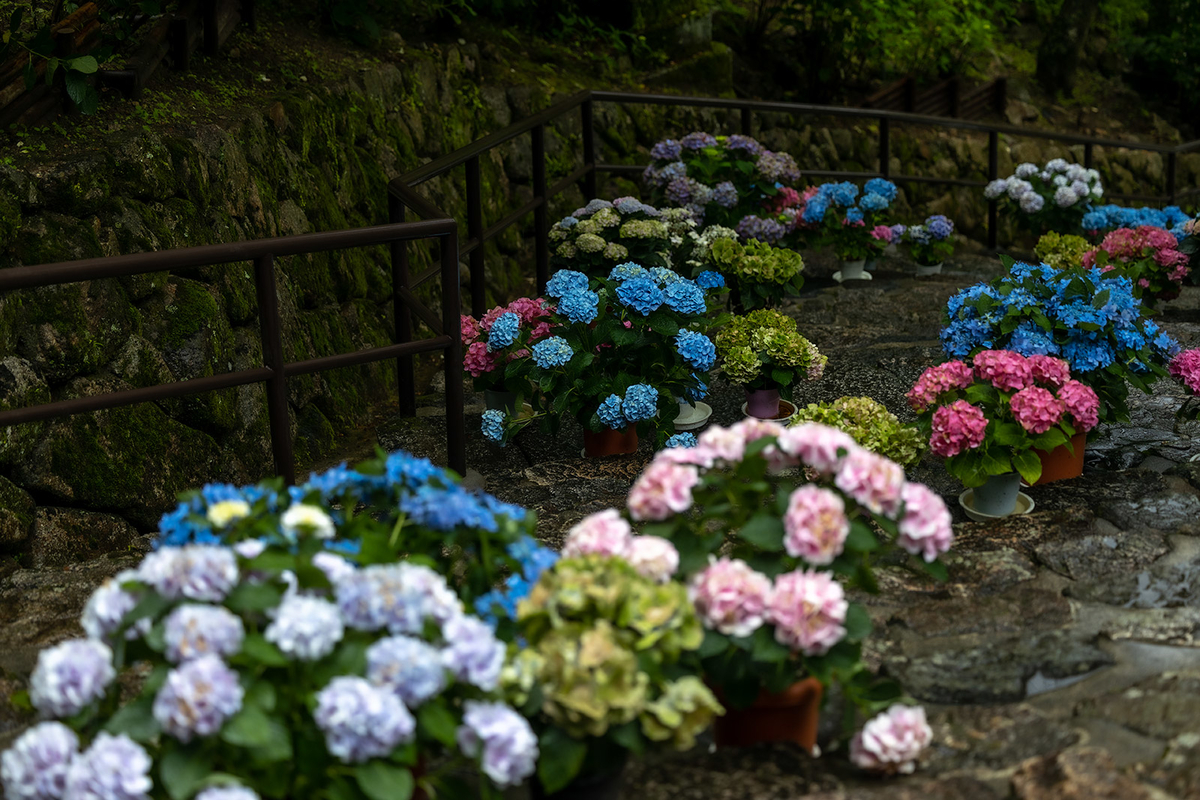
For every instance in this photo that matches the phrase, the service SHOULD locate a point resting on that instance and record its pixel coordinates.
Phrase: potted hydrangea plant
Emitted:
(764, 352)
(1090, 319)
(929, 244)
(1051, 198)
(759, 276)
(838, 218)
(487, 355)
(602, 234)
(1148, 256)
(870, 424)
(1102, 219)
(988, 418)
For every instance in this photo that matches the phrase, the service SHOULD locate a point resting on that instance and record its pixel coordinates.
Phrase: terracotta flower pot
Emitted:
(789, 716)
(1062, 462)
(610, 443)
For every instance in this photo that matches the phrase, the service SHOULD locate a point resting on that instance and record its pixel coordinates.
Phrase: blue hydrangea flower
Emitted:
(685, 297)
(446, 509)
(610, 413)
(697, 349)
(699, 392)
(566, 281)
(815, 208)
(552, 352)
(113, 768)
(640, 294)
(197, 698)
(1030, 339)
(681, 440)
(579, 305)
(504, 331)
(854, 215)
(502, 740)
(472, 652)
(623, 272)
(939, 226)
(568, 222)
(725, 194)
(408, 666)
(361, 721)
(960, 337)
(641, 402)
(873, 202)
(881, 186)
(842, 194)
(305, 628)
(492, 424)
(191, 631)
(35, 767)
(594, 205)
(710, 280)
(666, 150)
(197, 572)
(1086, 354)
(411, 472)
(698, 141)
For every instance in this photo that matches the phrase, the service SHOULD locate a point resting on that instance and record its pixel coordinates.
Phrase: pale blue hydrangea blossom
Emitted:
(197, 572)
(305, 628)
(408, 666)
(472, 653)
(113, 768)
(228, 792)
(197, 698)
(361, 721)
(107, 607)
(192, 631)
(399, 597)
(35, 767)
(504, 739)
(71, 676)
(334, 566)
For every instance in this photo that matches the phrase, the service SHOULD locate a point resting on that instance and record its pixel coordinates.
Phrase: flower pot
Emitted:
(604, 785)
(997, 497)
(610, 443)
(1062, 462)
(931, 269)
(762, 403)
(786, 411)
(789, 716)
(692, 416)
(852, 271)
(500, 400)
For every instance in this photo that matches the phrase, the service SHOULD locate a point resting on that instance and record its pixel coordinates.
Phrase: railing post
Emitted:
(1089, 155)
(406, 382)
(747, 121)
(589, 150)
(279, 418)
(475, 233)
(212, 31)
(541, 212)
(993, 174)
(456, 434)
(885, 147)
(1171, 166)
(954, 95)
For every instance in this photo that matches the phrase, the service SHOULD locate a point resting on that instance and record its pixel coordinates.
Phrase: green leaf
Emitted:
(254, 597)
(713, 644)
(861, 539)
(1051, 439)
(994, 464)
(630, 737)
(278, 745)
(84, 64)
(182, 770)
(76, 87)
(560, 760)
(858, 623)
(437, 721)
(765, 649)
(262, 651)
(783, 377)
(261, 694)
(935, 568)
(250, 727)
(1009, 434)
(663, 323)
(765, 531)
(1029, 465)
(135, 720)
(380, 780)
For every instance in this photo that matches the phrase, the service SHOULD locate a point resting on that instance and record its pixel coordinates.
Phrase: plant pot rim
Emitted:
(782, 415)
(700, 415)
(1025, 505)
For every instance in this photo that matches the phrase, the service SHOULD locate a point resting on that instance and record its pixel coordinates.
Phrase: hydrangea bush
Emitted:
(836, 216)
(600, 235)
(719, 179)
(1090, 319)
(987, 418)
(758, 275)
(626, 346)
(930, 243)
(869, 424)
(503, 336)
(1054, 197)
(1102, 219)
(1148, 256)
(764, 350)
(277, 669)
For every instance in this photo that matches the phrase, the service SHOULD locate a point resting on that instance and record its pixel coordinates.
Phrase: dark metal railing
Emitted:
(275, 371)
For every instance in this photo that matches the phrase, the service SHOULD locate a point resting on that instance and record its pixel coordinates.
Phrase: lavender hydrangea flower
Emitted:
(334, 566)
(228, 792)
(698, 141)
(725, 194)
(592, 207)
(192, 631)
(197, 698)
(71, 676)
(610, 413)
(113, 768)
(680, 190)
(666, 150)
(1026, 170)
(1032, 202)
(939, 226)
(361, 721)
(197, 572)
(769, 230)
(399, 597)
(1064, 197)
(779, 168)
(1018, 188)
(107, 607)
(676, 169)
(35, 767)
(409, 667)
(996, 188)
(472, 653)
(507, 743)
(306, 628)
(739, 141)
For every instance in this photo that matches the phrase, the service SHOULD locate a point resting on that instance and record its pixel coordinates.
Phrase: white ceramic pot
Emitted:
(933, 269)
(852, 271)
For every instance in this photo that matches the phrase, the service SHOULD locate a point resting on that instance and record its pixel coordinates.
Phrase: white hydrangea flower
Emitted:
(227, 512)
(302, 518)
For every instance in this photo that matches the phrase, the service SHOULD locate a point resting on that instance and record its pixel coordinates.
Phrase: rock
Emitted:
(16, 516)
(1163, 707)
(63, 536)
(278, 116)
(1075, 774)
(20, 387)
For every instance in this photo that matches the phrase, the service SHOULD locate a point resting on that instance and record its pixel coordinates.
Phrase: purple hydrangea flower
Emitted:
(35, 767)
(228, 792)
(698, 141)
(939, 226)
(197, 698)
(192, 631)
(666, 150)
(409, 667)
(765, 230)
(472, 653)
(725, 194)
(113, 768)
(197, 572)
(361, 721)
(507, 743)
(779, 168)
(334, 566)
(399, 597)
(741, 142)
(107, 607)
(306, 628)
(71, 676)
(680, 190)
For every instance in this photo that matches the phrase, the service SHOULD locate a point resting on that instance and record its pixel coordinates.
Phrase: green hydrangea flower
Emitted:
(869, 423)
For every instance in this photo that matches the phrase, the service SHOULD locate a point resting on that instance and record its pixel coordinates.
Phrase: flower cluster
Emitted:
(1109, 217)
(1061, 251)
(929, 243)
(601, 234)
(870, 424)
(996, 412)
(1185, 366)
(1090, 319)
(504, 334)
(764, 349)
(892, 742)
(837, 216)
(1055, 197)
(1148, 256)
(759, 275)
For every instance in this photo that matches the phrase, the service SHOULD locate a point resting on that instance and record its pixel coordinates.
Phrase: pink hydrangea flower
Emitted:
(1186, 367)
(752, 429)
(724, 444)
(654, 557)
(540, 331)
(815, 525)
(730, 597)
(1049, 370)
(883, 233)
(1081, 403)
(808, 609)
(469, 327)
(1037, 409)
(477, 360)
(1142, 282)
(787, 197)
(818, 446)
(663, 489)
(490, 317)
(957, 427)
(604, 533)
(892, 742)
(1004, 369)
(874, 481)
(529, 309)
(936, 381)
(926, 529)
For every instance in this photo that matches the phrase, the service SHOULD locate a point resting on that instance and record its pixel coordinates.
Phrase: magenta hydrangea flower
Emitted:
(1037, 409)
(604, 533)
(663, 489)
(936, 381)
(653, 557)
(731, 597)
(478, 359)
(1081, 403)
(1004, 369)
(808, 609)
(957, 427)
(818, 446)
(892, 742)
(1049, 370)
(872, 480)
(1186, 367)
(815, 525)
(926, 529)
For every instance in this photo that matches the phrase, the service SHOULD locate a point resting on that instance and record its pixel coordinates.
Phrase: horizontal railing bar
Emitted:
(451, 160)
(206, 255)
(575, 175)
(371, 354)
(166, 391)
